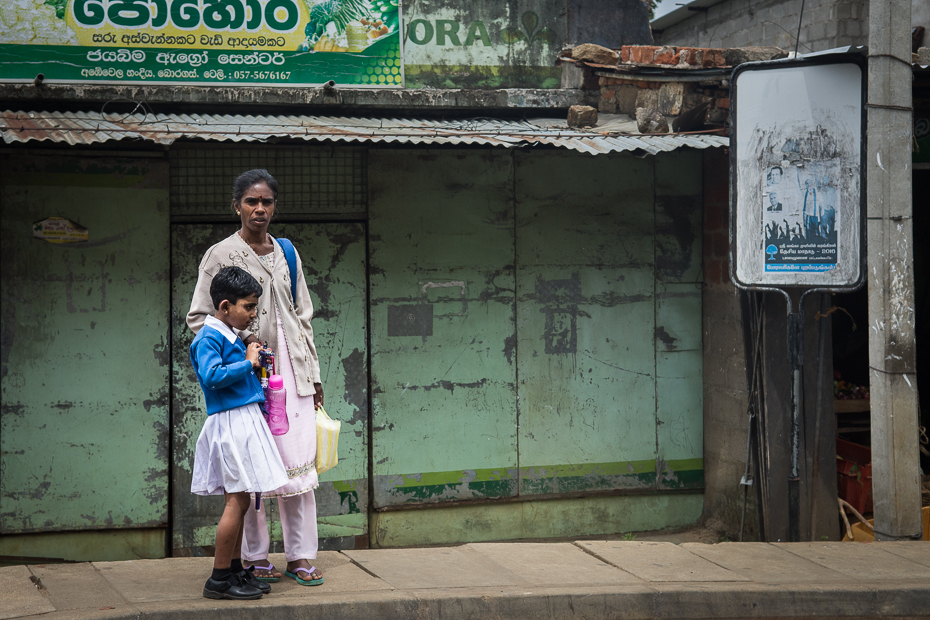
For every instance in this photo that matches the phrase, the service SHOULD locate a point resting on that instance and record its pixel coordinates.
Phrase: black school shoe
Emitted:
(233, 587)
(248, 576)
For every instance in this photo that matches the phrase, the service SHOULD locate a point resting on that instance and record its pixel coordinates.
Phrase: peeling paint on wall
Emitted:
(445, 401)
(608, 317)
(83, 427)
(410, 320)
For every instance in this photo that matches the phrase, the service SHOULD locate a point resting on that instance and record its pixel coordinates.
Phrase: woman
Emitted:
(283, 324)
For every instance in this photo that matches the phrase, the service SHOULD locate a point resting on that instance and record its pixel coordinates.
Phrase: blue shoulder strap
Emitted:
(291, 255)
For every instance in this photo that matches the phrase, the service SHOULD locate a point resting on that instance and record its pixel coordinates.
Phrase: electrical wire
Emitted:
(757, 313)
(797, 39)
(139, 105)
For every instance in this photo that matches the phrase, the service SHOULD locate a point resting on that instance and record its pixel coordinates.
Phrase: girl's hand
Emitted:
(251, 339)
(251, 354)
(318, 395)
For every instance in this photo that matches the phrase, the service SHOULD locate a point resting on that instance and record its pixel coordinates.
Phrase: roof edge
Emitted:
(19, 94)
(94, 127)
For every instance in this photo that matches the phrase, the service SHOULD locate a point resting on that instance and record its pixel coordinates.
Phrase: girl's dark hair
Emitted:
(233, 284)
(249, 178)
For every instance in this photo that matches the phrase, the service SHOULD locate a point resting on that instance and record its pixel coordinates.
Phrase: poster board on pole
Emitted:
(797, 132)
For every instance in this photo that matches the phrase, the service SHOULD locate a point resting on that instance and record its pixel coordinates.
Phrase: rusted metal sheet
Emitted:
(585, 323)
(190, 513)
(443, 379)
(679, 333)
(607, 340)
(84, 420)
(94, 127)
(333, 256)
(334, 260)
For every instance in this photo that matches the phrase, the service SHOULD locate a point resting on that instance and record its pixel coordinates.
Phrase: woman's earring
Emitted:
(237, 213)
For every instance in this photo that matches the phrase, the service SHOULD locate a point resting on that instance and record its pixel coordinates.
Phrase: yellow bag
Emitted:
(327, 441)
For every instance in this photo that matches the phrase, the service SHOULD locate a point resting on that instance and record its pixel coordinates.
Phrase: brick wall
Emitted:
(737, 23)
(625, 94)
(684, 57)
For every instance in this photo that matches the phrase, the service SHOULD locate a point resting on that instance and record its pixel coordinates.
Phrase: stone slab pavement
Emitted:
(588, 579)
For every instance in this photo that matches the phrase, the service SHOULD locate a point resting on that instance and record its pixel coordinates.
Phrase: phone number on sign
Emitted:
(220, 74)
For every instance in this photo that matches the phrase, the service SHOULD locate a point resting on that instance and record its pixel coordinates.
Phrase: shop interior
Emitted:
(851, 374)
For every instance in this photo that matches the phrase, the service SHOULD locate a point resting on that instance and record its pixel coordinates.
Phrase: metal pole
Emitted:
(796, 363)
(893, 388)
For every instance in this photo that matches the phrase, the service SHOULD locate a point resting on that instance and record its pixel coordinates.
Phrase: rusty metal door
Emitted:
(442, 322)
(536, 324)
(609, 322)
(333, 256)
(586, 321)
(84, 426)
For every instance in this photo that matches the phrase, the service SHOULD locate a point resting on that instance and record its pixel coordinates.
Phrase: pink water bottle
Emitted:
(275, 401)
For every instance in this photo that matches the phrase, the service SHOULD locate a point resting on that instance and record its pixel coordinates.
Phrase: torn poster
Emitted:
(797, 136)
(799, 216)
(59, 230)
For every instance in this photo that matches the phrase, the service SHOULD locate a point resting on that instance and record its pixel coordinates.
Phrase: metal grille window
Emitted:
(314, 180)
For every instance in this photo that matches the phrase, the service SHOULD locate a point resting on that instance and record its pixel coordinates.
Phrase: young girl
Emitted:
(236, 454)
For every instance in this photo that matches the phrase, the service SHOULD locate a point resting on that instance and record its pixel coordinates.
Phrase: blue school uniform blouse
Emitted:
(226, 377)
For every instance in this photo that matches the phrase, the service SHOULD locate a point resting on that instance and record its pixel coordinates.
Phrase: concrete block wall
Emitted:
(725, 385)
(736, 23)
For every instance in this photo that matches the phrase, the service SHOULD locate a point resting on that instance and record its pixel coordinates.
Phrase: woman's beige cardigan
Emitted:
(276, 294)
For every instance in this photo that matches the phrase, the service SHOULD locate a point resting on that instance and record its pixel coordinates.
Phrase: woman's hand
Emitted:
(318, 395)
(251, 353)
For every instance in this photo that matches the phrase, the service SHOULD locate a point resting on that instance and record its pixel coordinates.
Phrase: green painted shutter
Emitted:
(442, 321)
(84, 426)
(333, 256)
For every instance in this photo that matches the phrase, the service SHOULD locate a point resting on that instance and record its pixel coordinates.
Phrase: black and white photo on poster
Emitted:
(800, 206)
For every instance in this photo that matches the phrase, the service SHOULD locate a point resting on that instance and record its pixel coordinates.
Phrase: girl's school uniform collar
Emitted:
(223, 328)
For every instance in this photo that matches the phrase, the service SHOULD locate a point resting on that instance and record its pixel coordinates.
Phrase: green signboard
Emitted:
(483, 43)
(356, 43)
(213, 42)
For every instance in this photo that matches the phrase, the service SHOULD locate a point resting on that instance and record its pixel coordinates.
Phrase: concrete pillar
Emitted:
(895, 451)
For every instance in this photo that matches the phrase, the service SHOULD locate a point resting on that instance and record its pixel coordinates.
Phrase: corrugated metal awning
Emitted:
(94, 127)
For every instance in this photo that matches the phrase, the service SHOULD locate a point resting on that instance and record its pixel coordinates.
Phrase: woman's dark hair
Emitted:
(233, 284)
(249, 178)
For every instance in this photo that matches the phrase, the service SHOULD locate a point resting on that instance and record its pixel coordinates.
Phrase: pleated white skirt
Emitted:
(236, 452)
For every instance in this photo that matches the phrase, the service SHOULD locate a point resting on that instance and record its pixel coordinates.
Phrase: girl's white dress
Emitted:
(235, 451)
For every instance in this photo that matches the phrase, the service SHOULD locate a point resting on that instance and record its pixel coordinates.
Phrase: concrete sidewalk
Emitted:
(587, 579)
